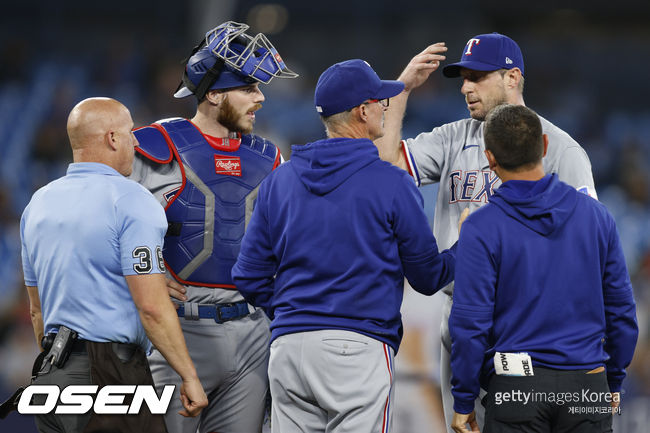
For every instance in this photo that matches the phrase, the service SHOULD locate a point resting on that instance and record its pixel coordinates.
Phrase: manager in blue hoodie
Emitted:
(543, 315)
(334, 232)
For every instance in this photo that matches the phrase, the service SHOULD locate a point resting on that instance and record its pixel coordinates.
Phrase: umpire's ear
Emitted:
(545, 137)
(110, 138)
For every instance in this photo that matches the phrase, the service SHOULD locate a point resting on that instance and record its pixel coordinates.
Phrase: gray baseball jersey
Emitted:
(453, 155)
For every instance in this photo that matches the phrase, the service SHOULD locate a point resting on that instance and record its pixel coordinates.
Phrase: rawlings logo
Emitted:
(228, 165)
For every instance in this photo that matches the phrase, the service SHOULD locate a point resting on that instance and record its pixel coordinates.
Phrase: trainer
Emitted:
(543, 316)
(91, 250)
(333, 234)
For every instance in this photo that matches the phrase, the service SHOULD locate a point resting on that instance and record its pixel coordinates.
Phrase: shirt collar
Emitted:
(91, 168)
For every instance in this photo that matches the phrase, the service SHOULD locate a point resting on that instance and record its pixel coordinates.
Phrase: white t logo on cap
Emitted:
(470, 44)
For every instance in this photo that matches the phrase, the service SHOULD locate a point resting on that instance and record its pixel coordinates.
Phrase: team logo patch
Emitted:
(170, 194)
(228, 165)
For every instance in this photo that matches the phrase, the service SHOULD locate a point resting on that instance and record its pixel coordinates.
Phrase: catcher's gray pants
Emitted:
(330, 381)
(231, 360)
(445, 372)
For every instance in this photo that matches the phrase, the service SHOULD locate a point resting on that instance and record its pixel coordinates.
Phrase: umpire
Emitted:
(543, 314)
(91, 250)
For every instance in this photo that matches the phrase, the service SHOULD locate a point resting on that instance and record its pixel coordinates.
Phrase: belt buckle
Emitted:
(219, 316)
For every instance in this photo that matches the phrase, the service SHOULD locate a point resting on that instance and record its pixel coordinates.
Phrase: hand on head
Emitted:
(422, 65)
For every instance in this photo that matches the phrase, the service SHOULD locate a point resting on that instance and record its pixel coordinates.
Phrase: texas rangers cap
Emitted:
(347, 84)
(488, 52)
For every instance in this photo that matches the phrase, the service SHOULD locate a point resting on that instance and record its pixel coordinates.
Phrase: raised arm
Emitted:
(414, 75)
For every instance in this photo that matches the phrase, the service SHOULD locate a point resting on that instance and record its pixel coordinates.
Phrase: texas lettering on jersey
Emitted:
(471, 185)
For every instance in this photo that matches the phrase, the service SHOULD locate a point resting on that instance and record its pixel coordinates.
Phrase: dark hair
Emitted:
(513, 133)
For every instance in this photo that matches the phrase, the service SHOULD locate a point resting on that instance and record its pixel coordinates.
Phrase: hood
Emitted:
(542, 206)
(325, 164)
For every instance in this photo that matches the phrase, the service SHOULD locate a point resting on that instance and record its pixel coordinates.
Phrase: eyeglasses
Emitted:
(383, 102)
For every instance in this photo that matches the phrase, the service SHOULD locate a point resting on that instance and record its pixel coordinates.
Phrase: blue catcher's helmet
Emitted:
(227, 58)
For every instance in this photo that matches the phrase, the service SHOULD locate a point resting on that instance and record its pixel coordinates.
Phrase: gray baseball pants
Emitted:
(231, 360)
(330, 381)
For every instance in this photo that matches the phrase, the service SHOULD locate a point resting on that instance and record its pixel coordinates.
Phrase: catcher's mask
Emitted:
(227, 57)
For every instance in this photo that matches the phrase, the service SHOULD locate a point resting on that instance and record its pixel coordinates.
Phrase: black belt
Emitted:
(124, 351)
(219, 312)
(78, 345)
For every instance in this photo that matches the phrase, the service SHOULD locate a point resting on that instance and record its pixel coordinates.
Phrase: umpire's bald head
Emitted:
(99, 130)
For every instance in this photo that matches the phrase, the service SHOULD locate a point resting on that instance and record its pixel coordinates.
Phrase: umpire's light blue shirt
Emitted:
(81, 234)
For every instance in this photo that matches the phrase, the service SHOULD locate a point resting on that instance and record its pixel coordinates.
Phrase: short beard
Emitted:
(229, 118)
(502, 99)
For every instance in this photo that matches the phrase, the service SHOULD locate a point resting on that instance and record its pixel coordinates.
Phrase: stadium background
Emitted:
(587, 66)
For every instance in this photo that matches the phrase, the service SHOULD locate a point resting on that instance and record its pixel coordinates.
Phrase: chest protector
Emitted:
(207, 216)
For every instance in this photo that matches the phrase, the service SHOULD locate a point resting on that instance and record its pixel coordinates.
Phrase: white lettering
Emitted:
(110, 399)
(25, 405)
(79, 399)
(155, 405)
(76, 399)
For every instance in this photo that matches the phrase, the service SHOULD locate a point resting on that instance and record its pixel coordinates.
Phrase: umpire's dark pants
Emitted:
(551, 401)
(100, 364)
(76, 371)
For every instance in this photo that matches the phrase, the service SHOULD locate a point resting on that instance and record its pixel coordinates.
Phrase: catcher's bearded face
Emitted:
(483, 91)
(238, 108)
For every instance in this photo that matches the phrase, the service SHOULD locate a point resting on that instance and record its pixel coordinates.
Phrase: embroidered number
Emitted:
(144, 254)
(161, 261)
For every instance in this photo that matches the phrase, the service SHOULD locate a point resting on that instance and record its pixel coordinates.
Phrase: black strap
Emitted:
(208, 79)
(174, 229)
(11, 403)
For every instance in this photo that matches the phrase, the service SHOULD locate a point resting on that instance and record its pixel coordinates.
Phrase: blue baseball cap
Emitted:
(487, 52)
(347, 84)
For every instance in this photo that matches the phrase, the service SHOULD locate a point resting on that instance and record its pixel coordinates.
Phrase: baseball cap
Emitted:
(347, 84)
(487, 52)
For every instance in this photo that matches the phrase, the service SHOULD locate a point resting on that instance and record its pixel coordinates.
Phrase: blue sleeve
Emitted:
(426, 269)
(620, 312)
(470, 320)
(28, 270)
(142, 225)
(256, 266)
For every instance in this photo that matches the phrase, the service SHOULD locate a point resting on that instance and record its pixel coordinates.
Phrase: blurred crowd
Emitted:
(41, 81)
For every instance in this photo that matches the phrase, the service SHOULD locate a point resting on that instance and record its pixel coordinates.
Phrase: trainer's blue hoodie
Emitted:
(333, 234)
(540, 270)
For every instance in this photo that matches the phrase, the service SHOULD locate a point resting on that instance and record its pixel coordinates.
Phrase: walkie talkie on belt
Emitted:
(61, 347)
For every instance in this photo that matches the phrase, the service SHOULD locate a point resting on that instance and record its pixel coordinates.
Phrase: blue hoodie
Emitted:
(333, 234)
(540, 270)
